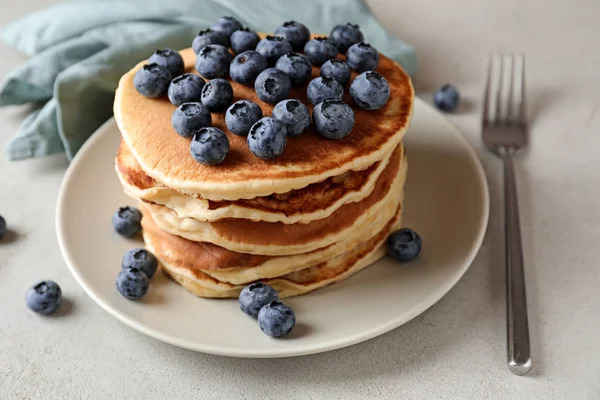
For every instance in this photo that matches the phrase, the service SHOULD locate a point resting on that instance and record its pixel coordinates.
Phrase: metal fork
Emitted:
(504, 134)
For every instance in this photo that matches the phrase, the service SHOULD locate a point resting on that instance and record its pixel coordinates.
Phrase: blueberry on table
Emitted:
(272, 85)
(333, 119)
(227, 25)
(217, 95)
(276, 319)
(141, 259)
(168, 58)
(209, 36)
(267, 138)
(185, 88)
(241, 115)
(319, 50)
(294, 115)
(243, 40)
(345, 35)
(404, 245)
(209, 146)
(446, 98)
(3, 228)
(44, 297)
(246, 66)
(295, 33)
(362, 57)
(127, 221)
(256, 295)
(188, 118)
(324, 88)
(152, 80)
(296, 66)
(213, 61)
(336, 69)
(370, 90)
(273, 47)
(132, 283)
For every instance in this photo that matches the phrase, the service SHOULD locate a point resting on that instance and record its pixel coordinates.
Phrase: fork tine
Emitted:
(511, 102)
(522, 114)
(486, 92)
(498, 94)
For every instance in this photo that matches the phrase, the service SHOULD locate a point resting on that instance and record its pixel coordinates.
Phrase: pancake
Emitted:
(145, 125)
(187, 270)
(275, 238)
(313, 202)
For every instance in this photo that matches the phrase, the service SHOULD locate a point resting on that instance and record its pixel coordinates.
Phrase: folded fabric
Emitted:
(79, 50)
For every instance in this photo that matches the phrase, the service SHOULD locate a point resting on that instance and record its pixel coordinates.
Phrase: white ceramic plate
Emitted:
(446, 202)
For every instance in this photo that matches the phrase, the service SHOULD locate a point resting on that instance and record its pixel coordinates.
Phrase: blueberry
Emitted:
(362, 57)
(209, 146)
(243, 40)
(132, 283)
(241, 115)
(296, 66)
(446, 98)
(152, 80)
(276, 319)
(3, 229)
(213, 61)
(345, 35)
(267, 138)
(273, 47)
(127, 221)
(141, 259)
(295, 33)
(188, 118)
(44, 297)
(272, 85)
(217, 95)
(333, 119)
(227, 25)
(324, 88)
(209, 36)
(370, 90)
(404, 245)
(168, 58)
(319, 50)
(294, 115)
(256, 295)
(337, 69)
(246, 66)
(185, 88)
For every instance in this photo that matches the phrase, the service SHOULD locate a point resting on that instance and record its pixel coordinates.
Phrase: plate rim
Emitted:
(391, 324)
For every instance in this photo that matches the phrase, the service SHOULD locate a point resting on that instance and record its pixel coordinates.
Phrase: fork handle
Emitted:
(519, 352)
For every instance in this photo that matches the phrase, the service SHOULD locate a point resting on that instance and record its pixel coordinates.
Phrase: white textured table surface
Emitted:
(456, 350)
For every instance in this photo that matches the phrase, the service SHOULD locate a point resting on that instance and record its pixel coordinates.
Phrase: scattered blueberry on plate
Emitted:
(132, 283)
(272, 85)
(243, 40)
(209, 36)
(295, 33)
(324, 88)
(241, 115)
(127, 221)
(152, 80)
(370, 90)
(333, 119)
(246, 66)
(345, 35)
(276, 319)
(267, 138)
(185, 88)
(217, 95)
(404, 245)
(296, 66)
(256, 295)
(141, 259)
(319, 50)
(273, 47)
(188, 118)
(170, 59)
(44, 297)
(209, 146)
(294, 115)
(227, 25)
(447, 98)
(213, 61)
(336, 69)
(362, 57)
(3, 228)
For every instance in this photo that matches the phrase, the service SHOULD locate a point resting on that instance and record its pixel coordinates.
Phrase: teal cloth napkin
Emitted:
(79, 50)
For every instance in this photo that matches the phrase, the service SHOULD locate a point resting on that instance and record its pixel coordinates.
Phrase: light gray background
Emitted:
(456, 350)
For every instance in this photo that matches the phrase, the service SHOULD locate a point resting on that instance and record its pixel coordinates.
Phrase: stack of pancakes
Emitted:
(311, 217)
